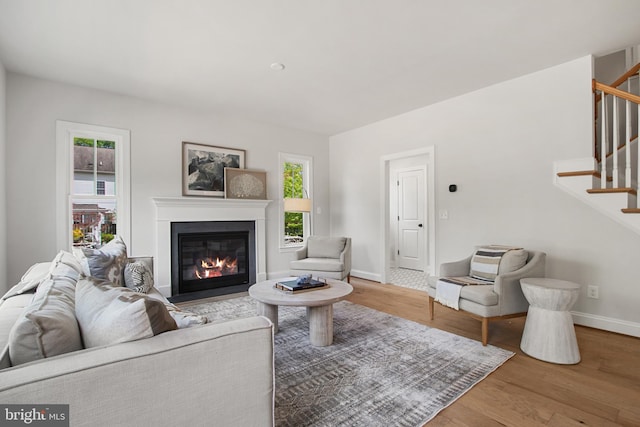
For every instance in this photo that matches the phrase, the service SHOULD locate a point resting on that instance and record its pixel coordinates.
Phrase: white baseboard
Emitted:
(365, 275)
(606, 323)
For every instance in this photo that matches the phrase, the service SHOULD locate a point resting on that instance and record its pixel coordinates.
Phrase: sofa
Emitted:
(164, 367)
(322, 256)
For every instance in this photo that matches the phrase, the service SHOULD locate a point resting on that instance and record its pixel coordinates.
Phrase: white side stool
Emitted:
(549, 334)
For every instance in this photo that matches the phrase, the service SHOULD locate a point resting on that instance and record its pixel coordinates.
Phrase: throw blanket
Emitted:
(448, 289)
(484, 269)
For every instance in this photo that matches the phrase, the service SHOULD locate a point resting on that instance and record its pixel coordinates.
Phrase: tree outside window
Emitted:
(296, 182)
(293, 187)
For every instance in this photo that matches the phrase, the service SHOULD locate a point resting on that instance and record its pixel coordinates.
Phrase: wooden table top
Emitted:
(265, 292)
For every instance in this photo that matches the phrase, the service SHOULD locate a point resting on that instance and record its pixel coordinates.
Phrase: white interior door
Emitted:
(411, 219)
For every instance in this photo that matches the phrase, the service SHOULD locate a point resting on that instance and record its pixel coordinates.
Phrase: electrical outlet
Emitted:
(444, 214)
(593, 292)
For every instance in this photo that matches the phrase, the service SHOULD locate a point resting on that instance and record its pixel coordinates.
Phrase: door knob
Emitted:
(420, 225)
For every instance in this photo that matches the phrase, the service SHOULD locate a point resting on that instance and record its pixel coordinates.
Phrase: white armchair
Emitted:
(500, 299)
(328, 257)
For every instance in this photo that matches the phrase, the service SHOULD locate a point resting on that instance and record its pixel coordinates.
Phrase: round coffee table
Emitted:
(319, 303)
(549, 334)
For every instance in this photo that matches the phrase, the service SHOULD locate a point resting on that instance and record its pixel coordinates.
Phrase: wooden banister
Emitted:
(616, 92)
(625, 76)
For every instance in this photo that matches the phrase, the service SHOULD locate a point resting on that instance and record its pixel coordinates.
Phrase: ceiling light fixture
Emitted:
(277, 66)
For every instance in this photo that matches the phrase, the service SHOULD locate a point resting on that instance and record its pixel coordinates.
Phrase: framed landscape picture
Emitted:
(203, 168)
(245, 184)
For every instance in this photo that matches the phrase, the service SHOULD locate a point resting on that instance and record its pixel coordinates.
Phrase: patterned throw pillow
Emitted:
(108, 262)
(489, 261)
(138, 277)
(109, 314)
(184, 319)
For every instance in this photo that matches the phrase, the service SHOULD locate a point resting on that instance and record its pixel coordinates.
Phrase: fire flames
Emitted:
(208, 267)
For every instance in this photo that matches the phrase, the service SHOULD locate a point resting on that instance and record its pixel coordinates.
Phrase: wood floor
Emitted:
(602, 390)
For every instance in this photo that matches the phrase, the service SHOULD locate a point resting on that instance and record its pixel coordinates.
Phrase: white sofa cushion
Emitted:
(47, 326)
(30, 280)
(109, 314)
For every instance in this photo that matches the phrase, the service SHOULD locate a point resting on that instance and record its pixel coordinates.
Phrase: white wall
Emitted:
(3, 179)
(498, 145)
(157, 132)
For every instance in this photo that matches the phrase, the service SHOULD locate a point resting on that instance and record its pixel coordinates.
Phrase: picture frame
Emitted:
(203, 168)
(245, 184)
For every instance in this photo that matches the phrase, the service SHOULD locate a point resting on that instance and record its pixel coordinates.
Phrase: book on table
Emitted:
(296, 285)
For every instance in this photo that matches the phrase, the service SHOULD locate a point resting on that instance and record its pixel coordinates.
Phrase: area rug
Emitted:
(381, 370)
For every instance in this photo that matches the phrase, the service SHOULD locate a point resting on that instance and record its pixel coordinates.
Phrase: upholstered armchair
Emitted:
(328, 257)
(501, 297)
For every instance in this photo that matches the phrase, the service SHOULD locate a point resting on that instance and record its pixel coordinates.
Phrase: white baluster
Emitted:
(638, 150)
(627, 141)
(603, 142)
(616, 142)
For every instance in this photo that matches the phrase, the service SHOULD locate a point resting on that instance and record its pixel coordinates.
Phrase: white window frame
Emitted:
(307, 183)
(65, 134)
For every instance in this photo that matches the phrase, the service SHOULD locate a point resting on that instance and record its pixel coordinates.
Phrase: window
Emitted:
(295, 182)
(92, 184)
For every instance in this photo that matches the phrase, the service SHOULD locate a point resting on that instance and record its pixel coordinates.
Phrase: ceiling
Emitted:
(347, 62)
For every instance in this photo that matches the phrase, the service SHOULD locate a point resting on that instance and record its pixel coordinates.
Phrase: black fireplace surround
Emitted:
(211, 258)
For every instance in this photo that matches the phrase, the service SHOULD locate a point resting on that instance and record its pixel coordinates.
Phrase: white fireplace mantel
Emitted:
(181, 209)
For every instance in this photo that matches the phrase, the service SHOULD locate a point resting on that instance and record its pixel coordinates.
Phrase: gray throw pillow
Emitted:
(325, 247)
(108, 261)
(47, 326)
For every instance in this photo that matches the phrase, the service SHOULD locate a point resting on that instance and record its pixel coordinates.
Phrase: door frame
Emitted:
(385, 223)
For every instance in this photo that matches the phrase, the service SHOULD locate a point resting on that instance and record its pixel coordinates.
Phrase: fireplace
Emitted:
(210, 258)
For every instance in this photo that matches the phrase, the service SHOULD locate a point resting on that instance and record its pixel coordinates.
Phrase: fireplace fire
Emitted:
(220, 267)
(213, 257)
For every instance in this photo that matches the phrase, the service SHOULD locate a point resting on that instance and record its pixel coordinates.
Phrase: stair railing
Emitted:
(615, 131)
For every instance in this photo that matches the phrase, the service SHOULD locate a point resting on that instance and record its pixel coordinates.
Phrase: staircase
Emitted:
(608, 181)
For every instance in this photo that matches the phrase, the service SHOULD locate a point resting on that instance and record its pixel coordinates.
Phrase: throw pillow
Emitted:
(109, 314)
(47, 326)
(30, 280)
(513, 260)
(108, 262)
(489, 261)
(67, 265)
(138, 277)
(184, 319)
(325, 247)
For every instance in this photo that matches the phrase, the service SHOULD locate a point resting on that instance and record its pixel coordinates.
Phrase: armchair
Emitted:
(499, 299)
(328, 257)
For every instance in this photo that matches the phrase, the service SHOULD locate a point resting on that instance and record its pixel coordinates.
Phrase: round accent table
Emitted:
(319, 303)
(549, 334)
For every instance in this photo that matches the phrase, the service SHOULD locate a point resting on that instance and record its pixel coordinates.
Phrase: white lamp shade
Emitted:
(297, 205)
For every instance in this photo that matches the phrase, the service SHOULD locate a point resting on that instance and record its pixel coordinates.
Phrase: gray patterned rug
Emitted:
(380, 371)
